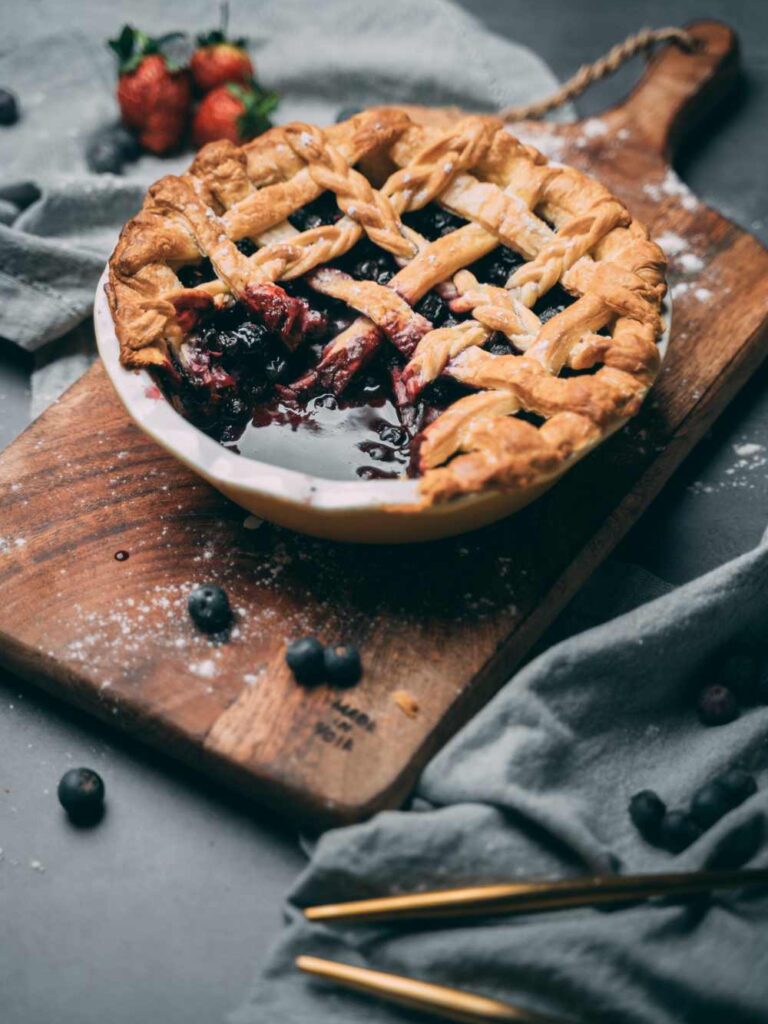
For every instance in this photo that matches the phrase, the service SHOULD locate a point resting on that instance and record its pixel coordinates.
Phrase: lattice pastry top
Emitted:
(565, 383)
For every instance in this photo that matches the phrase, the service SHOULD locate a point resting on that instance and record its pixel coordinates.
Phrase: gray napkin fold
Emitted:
(318, 57)
(537, 785)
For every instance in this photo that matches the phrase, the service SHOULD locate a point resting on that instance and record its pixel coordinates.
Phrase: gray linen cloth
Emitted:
(318, 57)
(537, 785)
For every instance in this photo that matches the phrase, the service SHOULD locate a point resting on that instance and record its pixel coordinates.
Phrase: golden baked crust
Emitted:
(380, 164)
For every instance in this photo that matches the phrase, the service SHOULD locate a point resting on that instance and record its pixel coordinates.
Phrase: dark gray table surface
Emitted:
(165, 911)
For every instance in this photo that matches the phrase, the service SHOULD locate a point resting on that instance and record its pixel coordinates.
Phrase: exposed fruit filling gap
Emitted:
(249, 373)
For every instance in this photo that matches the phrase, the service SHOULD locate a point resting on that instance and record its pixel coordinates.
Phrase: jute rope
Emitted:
(640, 42)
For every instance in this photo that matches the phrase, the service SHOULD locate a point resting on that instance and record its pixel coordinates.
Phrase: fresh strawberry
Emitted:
(234, 113)
(155, 95)
(218, 60)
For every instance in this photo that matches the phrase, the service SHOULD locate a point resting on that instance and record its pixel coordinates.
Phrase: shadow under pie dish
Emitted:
(400, 327)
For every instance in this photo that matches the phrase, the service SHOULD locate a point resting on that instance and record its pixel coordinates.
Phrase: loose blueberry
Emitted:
(433, 308)
(81, 794)
(678, 830)
(209, 607)
(128, 143)
(647, 810)
(346, 112)
(305, 659)
(738, 846)
(710, 804)
(104, 155)
(9, 107)
(342, 665)
(717, 705)
(740, 785)
(739, 673)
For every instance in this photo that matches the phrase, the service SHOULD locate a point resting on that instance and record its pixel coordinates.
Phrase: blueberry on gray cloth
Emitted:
(710, 804)
(104, 155)
(740, 785)
(717, 705)
(678, 830)
(9, 107)
(647, 810)
(738, 846)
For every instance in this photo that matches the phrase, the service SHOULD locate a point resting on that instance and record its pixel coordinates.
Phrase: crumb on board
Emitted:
(406, 702)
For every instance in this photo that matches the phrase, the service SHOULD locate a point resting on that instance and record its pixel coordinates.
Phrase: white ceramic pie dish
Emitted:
(371, 511)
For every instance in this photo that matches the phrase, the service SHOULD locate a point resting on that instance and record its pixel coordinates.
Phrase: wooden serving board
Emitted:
(446, 622)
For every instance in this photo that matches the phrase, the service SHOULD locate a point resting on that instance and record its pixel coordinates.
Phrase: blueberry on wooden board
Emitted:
(678, 830)
(81, 794)
(647, 810)
(710, 804)
(9, 107)
(342, 665)
(717, 705)
(209, 607)
(305, 660)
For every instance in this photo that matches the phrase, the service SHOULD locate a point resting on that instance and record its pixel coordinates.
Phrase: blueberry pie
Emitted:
(431, 292)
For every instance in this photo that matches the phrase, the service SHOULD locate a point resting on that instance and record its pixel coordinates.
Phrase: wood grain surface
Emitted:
(444, 622)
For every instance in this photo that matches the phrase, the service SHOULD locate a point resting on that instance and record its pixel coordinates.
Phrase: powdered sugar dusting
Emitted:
(671, 185)
(672, 243)
(743, 472)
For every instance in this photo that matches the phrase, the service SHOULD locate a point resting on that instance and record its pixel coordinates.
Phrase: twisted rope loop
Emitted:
(639, 42)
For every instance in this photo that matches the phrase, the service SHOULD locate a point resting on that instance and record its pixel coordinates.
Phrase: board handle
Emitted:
(680, 88)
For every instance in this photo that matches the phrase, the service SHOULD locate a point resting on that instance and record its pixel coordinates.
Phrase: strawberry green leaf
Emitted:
(258, 105)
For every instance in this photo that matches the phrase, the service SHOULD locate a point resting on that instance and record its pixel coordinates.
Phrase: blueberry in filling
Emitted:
(434, 309)
(433, 221)
(246, 247)
(553, 302)
(496, 267)
(196, 273)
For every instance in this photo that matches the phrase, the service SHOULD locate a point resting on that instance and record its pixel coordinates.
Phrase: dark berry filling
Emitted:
(233, 375)
(496, 267)
(552, 303)
(196, 273)
(433, 222)
(323, 210)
